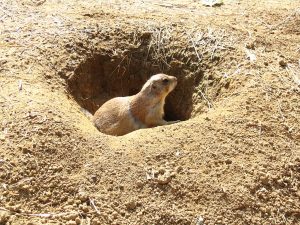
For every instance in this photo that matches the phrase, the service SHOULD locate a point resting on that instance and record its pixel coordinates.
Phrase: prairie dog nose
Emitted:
(174, 79)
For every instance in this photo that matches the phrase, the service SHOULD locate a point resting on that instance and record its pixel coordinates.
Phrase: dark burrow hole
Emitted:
(105, 76)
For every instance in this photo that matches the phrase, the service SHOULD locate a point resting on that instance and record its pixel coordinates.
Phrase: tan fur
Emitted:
(123, 115)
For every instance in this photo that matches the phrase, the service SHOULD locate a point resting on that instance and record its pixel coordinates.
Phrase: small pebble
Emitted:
(228, 161)
(282, 63)
(250, 46)
(78, 221)
(85, 208)
(83, 196)
(139, 184)
(178, 169)
(131, 205)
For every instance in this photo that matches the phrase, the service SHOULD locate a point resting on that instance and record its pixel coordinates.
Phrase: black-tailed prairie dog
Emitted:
(122, 115)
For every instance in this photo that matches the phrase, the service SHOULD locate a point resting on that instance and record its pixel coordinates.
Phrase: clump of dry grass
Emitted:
(159, 45)
(163, 43)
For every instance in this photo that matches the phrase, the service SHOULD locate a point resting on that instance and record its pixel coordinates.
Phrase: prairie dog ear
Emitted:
(153, 87)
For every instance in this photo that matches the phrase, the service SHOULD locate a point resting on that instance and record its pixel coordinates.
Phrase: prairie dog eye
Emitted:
(165, 81)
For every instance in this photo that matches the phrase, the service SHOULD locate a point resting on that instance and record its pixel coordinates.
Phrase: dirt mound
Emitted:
(234, 158)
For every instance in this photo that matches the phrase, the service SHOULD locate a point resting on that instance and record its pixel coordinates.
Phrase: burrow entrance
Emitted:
(196, 59)
(105, 76)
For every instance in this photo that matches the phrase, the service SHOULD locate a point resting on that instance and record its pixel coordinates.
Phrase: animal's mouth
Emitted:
(174, 84)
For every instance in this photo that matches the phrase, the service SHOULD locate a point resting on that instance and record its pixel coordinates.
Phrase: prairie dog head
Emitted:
(160, 85)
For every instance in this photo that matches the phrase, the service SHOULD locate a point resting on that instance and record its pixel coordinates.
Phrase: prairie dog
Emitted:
(122, 115)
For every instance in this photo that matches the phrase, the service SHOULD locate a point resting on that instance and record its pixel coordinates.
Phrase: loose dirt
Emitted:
(234, 158)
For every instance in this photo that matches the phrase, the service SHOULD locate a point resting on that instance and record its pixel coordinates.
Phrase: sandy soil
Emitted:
(234, 158)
